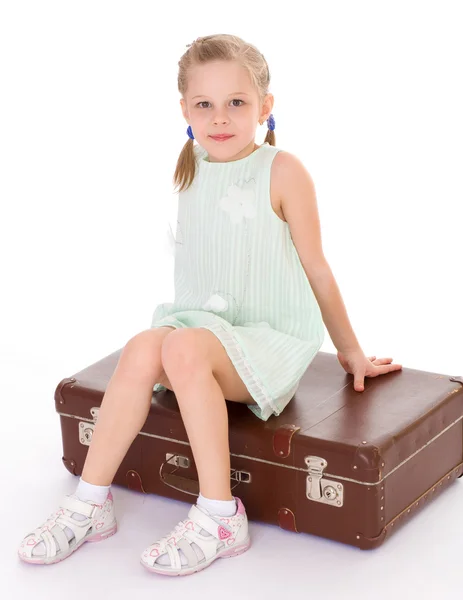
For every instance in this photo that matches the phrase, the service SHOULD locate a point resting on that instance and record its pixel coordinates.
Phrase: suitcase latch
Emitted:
(177, 460)
(184, 463)
(86, 428)
(319, 489)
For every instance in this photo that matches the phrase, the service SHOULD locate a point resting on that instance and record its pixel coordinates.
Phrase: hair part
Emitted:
(212, 48)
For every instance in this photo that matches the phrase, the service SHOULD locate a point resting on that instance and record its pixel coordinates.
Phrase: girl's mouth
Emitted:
(221, 138)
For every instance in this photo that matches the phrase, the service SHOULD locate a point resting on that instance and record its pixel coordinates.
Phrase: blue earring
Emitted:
(190, 133)
(271, 123)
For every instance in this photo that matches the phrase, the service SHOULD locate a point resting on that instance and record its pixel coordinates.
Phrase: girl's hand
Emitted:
(358, 365)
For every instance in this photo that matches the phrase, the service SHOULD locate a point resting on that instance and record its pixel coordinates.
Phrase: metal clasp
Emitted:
(86, 429)
(319, 489)
(191, 486)
(182, 462)
(241, 476)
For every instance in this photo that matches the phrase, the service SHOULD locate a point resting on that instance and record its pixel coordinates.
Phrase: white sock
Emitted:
(92, 493)
(87, 492)
(221, 508)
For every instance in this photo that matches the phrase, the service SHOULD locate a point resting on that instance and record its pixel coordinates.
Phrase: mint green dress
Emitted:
(237, 273)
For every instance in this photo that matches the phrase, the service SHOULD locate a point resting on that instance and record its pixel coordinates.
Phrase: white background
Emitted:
(368, 95)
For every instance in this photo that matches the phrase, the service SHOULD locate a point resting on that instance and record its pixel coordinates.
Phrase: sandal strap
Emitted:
(51, 537)
(79, 506)
(79, 528)
(213, 526)
(50, 544)
(60, 537)
(174, 557)
(185, 546)
(209, 544)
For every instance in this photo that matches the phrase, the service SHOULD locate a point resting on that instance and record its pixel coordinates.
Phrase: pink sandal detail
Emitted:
(221, 537)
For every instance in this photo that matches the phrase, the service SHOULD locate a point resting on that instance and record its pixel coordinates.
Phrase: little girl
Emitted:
(251, 285)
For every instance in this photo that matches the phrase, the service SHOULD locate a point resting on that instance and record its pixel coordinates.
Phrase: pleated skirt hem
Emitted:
(266, 405)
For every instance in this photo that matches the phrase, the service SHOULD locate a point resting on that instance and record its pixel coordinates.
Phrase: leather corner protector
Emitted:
(282, 440)
(367, 458)
(133, 481)
(59, 399)
(365, 543)
(287, 520)
(70, 465)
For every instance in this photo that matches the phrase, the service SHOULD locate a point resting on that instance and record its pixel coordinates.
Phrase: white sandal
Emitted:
(228, 536)
(99, 525)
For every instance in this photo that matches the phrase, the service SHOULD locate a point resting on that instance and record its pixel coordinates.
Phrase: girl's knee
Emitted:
(183, 352)
(141, 356)
(147, 342)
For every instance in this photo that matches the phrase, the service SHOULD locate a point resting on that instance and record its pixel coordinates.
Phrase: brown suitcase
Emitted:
(340, 464)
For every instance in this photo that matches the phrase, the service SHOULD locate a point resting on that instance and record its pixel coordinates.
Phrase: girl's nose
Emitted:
(221, 119)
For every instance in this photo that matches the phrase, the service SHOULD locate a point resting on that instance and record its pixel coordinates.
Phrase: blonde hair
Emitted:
(211, 48)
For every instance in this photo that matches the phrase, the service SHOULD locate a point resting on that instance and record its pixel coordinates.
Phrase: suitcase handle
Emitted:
(183, 484)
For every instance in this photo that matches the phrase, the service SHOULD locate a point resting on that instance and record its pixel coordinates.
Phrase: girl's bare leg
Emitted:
(125, 405)
(123, 412)
(192, 371)
(204, 413)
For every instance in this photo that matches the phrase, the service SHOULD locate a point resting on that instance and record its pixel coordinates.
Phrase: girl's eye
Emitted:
(234, 100)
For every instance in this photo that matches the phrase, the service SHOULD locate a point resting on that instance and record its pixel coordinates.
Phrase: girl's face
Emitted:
(222, 100)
